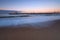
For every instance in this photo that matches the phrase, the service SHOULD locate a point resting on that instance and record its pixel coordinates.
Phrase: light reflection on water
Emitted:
(26, 20)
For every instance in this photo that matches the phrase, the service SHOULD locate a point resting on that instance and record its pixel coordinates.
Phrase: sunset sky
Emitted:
(31, 5)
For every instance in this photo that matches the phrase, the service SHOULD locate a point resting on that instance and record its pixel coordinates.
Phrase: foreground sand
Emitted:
(31, 33)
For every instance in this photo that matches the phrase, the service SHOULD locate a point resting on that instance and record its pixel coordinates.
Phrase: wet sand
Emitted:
(28, 32)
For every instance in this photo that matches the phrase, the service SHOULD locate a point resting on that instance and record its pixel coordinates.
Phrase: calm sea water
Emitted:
(27, 20)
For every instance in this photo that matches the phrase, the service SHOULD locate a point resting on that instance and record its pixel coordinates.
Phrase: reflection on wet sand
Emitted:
(29, 32)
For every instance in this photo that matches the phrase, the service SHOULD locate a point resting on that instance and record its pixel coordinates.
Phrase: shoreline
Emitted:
(31, 33)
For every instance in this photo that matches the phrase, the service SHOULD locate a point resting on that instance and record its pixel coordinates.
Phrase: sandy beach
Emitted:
(28, 32)
(29, 19)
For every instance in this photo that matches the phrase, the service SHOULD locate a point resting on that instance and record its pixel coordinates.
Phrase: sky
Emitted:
(31, 5)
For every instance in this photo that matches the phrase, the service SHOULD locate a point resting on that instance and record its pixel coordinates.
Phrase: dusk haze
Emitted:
(31, 5)
(29, 19)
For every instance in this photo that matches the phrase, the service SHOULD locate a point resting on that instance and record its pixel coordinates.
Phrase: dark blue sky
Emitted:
(30, 5)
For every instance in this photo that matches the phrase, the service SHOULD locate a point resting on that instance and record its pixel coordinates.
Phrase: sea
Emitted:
(29, 19)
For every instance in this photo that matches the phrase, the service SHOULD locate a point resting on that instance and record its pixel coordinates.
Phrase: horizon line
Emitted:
(32, 11)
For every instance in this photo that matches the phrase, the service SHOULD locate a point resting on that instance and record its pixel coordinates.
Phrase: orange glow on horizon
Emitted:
(33, 10)
(41, 10)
